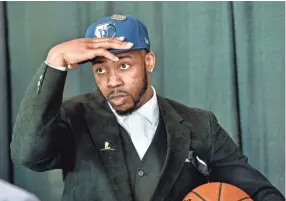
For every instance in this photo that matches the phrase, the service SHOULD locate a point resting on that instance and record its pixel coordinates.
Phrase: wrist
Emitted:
(56, 59)
(61, 68)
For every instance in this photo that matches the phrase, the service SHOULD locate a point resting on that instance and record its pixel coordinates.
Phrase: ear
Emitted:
(150, 60)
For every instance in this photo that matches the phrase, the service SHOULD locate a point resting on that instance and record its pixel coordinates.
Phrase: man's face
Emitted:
(122, 83)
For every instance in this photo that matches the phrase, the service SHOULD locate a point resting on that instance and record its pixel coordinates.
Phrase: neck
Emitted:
(146, 97)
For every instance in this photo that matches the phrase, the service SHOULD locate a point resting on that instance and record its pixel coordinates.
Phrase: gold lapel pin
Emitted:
(107, 147)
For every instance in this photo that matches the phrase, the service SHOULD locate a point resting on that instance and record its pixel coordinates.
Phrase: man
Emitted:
(125, 143)
(9, 192)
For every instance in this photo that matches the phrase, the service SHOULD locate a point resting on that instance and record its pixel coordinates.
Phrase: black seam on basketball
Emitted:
(198, 195)
(243, 199)
(219, 191)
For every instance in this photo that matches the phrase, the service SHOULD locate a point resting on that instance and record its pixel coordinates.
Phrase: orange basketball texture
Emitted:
(217, 192)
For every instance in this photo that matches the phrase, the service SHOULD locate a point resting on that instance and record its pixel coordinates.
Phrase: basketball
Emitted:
(217, 192)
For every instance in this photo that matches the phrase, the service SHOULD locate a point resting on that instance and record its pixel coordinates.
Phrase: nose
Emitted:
(114, 81)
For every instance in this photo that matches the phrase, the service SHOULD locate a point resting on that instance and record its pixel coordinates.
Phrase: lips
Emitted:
(117, 96)
(117, 100)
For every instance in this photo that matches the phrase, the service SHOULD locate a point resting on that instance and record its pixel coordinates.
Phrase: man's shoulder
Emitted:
(81, 100)
(200, 119)
(187, 111)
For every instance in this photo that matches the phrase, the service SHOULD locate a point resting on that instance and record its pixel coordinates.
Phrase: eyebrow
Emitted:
(125, 57)
(99, 61)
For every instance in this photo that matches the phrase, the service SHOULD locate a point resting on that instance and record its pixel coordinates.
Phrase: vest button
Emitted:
(140, 173)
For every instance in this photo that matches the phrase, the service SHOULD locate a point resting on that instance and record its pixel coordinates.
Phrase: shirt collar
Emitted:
(150, 110)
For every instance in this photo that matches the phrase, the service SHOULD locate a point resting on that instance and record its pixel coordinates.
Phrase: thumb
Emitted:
(71, 66)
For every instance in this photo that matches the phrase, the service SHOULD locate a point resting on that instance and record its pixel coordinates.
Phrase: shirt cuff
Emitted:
(61, 68)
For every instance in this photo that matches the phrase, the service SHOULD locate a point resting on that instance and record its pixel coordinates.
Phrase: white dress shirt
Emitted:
(61, 68)
(141, 125)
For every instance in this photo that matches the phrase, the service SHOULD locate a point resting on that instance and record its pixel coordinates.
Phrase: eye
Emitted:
(100, 70)
(124, 66)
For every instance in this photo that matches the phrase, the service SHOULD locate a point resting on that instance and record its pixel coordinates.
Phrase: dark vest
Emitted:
(144, 175)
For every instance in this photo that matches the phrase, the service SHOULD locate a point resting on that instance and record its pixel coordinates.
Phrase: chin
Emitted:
(121, 107)
(124, 109)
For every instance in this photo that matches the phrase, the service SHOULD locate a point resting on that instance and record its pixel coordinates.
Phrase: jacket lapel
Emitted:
(178, 139)
(104, 130)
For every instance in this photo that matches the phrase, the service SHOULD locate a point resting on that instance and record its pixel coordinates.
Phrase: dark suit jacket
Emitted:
(49, 134)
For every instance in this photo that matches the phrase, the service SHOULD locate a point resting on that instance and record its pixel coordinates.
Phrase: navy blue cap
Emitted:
(128, 26)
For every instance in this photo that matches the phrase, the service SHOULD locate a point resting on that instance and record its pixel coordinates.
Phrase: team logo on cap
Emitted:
(105, 30)
(118, 17)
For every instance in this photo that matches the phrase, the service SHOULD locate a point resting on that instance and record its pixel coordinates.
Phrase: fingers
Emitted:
(85, 49)
(109, 44)
(108, 39)
(99, 47)
(102, 52)
(95, 40)
(88, 55)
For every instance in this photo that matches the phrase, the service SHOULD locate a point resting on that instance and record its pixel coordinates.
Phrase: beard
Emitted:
(135, 100)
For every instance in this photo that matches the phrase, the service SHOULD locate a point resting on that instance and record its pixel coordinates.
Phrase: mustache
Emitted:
(116, 93)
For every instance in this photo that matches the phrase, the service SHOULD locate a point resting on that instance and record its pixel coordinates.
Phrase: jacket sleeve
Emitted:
(228, 165)
(42, 139)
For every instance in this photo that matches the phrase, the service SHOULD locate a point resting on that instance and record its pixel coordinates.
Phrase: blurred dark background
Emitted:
(227, 57)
